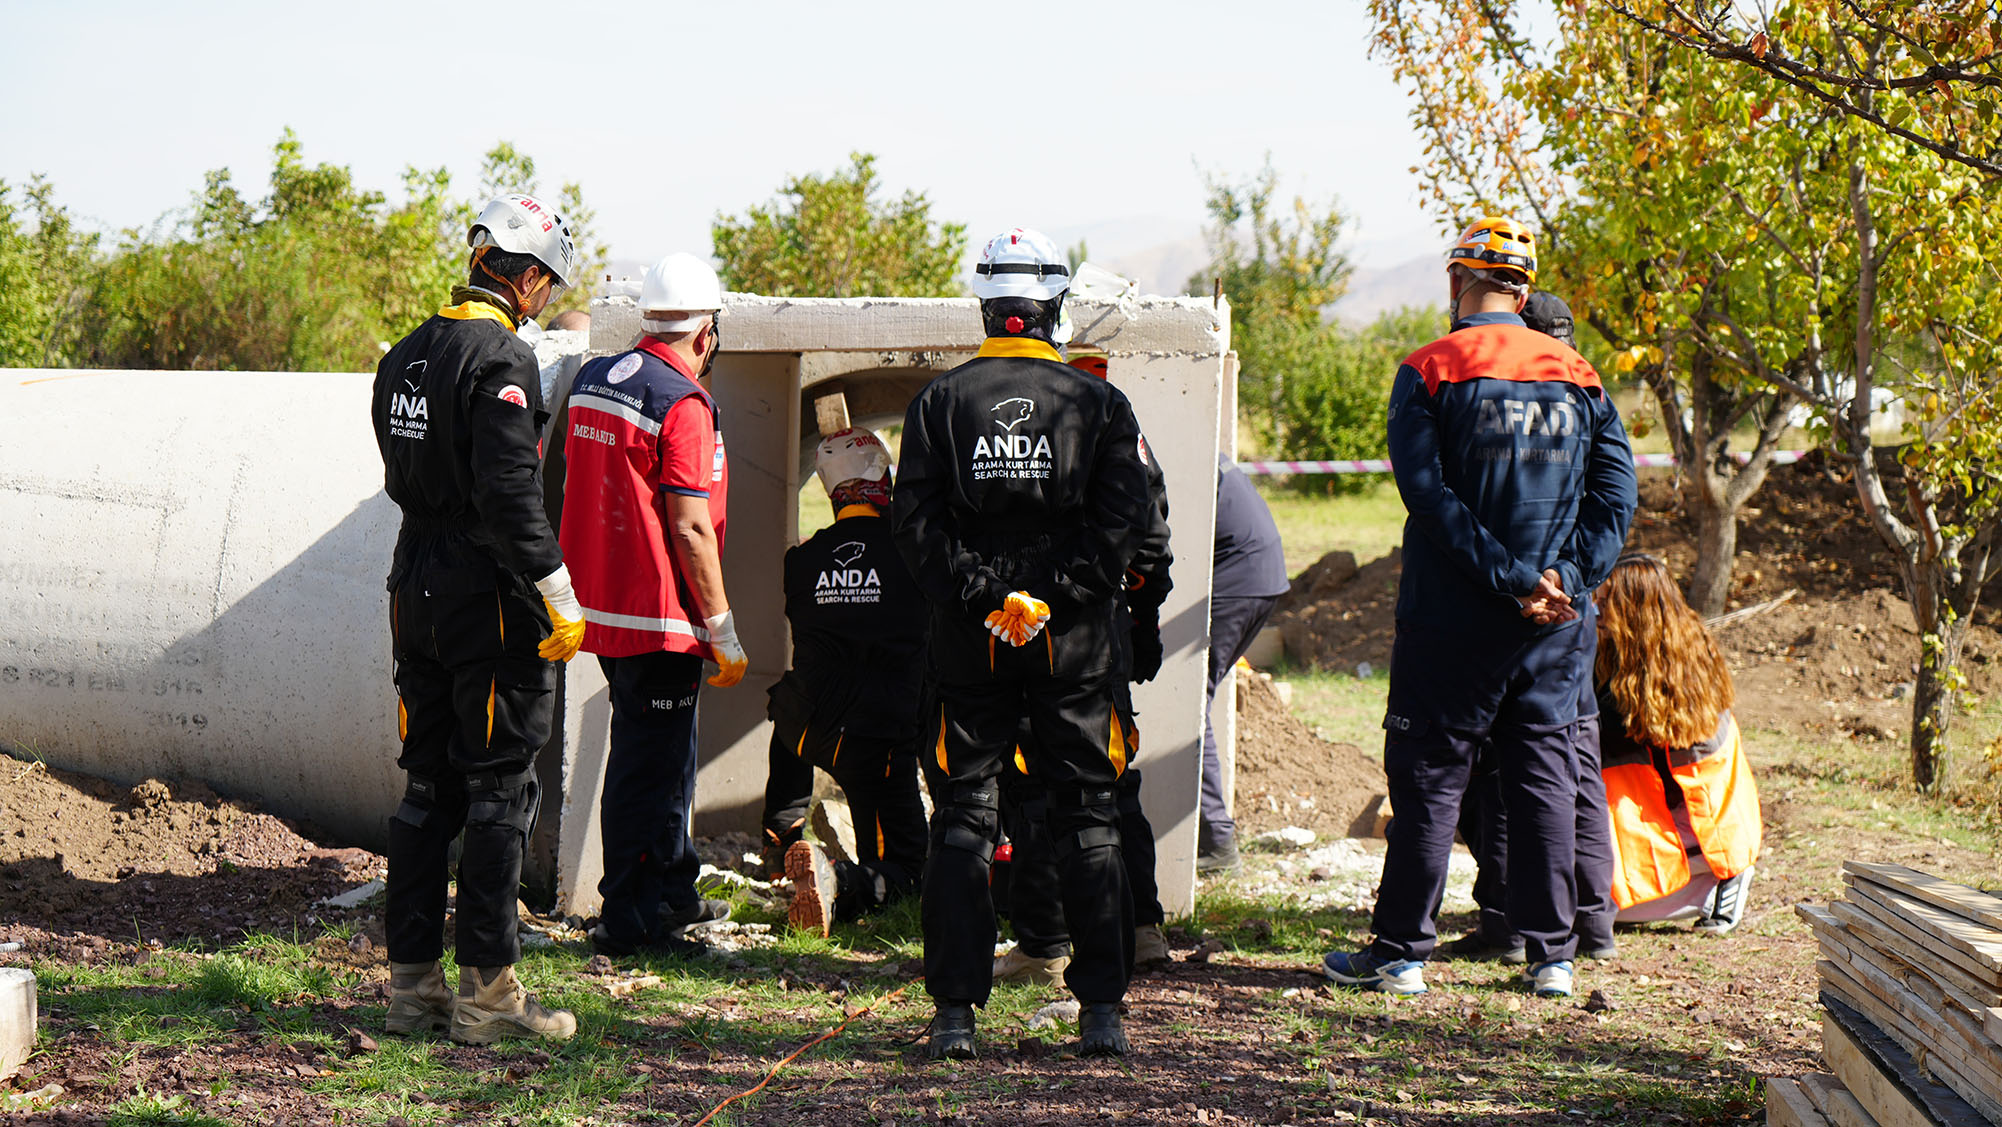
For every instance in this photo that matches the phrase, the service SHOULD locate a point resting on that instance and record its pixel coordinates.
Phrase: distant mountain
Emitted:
(1374, 291)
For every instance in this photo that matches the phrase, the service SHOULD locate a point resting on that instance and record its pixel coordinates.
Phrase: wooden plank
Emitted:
(1882, 1076)
(1931, 1068)
(1937, 991)
(1834, 1102)
(1912, 944)
(1788, 1106)
(1892, 945)
(1978, 945)
(1993, 1023)
(830, 413)
(1968, 903)
(1938, 1043)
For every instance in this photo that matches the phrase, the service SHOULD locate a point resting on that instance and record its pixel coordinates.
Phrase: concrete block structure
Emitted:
(194, 571)
(17, 1018)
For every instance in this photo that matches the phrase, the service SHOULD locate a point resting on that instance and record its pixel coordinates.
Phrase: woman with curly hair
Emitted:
(1685, 811)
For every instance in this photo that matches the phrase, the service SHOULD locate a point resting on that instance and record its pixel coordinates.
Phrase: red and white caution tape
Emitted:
(1381, 465)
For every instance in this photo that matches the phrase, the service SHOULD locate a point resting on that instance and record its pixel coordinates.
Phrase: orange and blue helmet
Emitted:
(1496, 242)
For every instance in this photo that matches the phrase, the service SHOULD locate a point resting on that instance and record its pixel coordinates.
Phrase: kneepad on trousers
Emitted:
(1098, 901)
(957, 906)
(429, 817)
(500, 812)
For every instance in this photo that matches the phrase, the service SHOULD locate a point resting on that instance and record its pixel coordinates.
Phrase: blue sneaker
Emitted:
(1360, 968)
(1550, 980)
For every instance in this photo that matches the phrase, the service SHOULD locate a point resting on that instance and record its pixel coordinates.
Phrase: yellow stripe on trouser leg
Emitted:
(1115, 746)
(1021, 764)
(490, 711)
(879, 835)
(941, 741)
(402, 720)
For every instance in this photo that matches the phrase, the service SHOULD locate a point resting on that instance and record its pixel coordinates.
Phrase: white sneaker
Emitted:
(1550, 980)
(1360, 968)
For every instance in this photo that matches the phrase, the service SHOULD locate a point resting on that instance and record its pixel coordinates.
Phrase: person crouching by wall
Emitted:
(1679, 786)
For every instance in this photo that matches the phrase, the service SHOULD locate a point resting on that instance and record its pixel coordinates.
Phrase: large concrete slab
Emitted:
(17, 1018)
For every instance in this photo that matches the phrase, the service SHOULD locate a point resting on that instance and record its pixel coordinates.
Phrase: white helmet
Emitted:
(1021, 263)
(518, 224)
(848, 455)
(679, 283)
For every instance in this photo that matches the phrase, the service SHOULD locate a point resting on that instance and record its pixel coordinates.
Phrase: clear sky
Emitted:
(1075, 118)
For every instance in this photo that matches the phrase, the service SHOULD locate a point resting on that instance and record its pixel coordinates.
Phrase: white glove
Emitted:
(731, 661)
(566, 616)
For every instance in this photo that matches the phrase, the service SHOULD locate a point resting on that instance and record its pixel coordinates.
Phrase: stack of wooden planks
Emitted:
(1911, 978)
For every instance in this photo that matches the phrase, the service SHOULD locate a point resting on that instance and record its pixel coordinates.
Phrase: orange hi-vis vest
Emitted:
(1713, 779)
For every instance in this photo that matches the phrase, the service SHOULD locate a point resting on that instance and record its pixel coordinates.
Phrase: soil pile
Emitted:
(1288, 776)
(1839, 656)
(169, 860)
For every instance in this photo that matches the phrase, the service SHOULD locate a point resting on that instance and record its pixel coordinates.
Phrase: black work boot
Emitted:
(951, 1035)
(1099, 1031)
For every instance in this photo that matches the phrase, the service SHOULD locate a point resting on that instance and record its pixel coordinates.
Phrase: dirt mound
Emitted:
(1337, 615)
(167, 860)
(1288, 776)
(1838, 656)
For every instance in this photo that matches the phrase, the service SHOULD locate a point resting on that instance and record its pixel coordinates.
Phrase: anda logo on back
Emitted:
(1011, 412)
(1008, 454)
(848, 583)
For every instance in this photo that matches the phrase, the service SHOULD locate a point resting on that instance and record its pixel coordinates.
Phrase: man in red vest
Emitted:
(643, 522)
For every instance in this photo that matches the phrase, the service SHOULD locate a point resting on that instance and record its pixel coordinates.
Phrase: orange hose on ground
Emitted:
(790, 1057)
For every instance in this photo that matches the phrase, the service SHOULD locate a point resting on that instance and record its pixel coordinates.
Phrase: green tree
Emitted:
(316, 276)
(1745, 243)
(45, 264)
(1300, 382)
(1336, 395)
(832, 236)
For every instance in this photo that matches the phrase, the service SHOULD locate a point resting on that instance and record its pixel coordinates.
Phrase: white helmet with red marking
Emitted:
(518, 224)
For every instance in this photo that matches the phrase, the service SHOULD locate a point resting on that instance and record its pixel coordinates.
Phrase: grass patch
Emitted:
(1339, 706)
(1369, 523)
(146, 1107)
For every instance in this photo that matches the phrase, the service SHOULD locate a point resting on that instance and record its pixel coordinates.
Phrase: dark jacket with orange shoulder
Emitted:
(1511, 459)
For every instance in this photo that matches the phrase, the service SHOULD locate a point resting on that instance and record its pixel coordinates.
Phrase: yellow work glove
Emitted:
(731, 661)
(566, 617)
(1020, 618)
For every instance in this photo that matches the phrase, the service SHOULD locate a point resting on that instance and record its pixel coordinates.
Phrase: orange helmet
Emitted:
(1496, 242)
(1094, 364)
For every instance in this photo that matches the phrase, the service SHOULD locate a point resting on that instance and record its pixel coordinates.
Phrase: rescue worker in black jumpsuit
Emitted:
(853, 703)
(480, 608)
(1021, 500)
(1034, 904)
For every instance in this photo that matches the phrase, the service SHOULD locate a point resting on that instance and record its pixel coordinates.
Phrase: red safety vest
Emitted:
(614, 538)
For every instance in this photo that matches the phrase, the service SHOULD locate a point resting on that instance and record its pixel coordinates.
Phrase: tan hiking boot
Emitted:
(1150, 946)
(1017, 967)
(493, 1005)
(419, 1000)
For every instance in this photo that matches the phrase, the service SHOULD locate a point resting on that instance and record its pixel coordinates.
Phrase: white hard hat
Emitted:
(1021, 263)
(518, 224)
(851, 454)
(679, 283)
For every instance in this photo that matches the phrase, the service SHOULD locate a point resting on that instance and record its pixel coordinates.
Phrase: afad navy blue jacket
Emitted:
(1511, 459)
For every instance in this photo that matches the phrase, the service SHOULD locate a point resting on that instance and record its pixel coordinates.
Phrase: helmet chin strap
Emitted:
(514, 293)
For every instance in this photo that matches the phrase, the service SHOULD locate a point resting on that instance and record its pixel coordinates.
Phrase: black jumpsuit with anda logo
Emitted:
(1020, 473)
(853, 703)
(457, 413)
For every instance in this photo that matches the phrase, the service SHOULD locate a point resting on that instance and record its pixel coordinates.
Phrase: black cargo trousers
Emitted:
(1063, 683)
(1035, 907)
(475, 703)
(879, 779)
